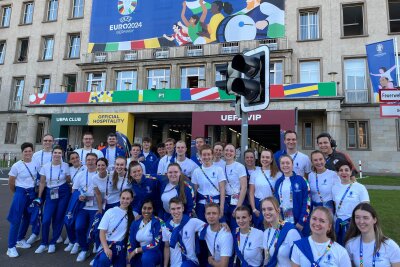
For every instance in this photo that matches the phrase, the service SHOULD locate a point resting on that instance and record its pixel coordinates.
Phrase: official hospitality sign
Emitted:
(382, 66)
(137, 24)
(387, 95)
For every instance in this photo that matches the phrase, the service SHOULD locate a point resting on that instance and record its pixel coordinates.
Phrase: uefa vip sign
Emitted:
(138, 24)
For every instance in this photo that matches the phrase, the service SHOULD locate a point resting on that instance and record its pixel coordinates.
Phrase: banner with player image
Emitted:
(137, 24)
(382, 66)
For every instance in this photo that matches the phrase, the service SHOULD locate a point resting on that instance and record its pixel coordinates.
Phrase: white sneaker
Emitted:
(22, 244)
(69, 247)
(52, 249)
(94, 249)
(12, 252)
(41, 249)
(82, 256)
(66, 241)
(59, 240)
(75, 249)
(32, 239)
(91, 262)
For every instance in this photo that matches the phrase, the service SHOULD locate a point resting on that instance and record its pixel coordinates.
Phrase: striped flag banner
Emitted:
(204, 93)
(195, 7)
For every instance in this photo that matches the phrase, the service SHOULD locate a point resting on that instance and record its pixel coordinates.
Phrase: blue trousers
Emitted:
(83, 223)
(19, 211)
(53, 213)
(341, 227)
(150, 258)
(118, 258)
(258, 221)
(71, 233)
(188, 263)
(228, 212)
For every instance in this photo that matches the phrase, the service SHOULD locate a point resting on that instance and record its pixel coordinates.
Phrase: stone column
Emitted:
(333, 125)
(31, 128)
(141, 77)
(165, 132)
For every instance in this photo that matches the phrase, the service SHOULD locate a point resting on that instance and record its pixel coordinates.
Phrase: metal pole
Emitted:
(397, 61)
(245, 135)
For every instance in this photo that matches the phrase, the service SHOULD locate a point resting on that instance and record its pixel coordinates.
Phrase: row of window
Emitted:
(357, 131)
(353, 22)
(46, 48)
(51, 12)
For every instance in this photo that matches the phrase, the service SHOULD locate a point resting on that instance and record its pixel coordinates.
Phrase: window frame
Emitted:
(133, 80)
(319, 60)
(3, 8)
(8, 134)
(388, 14)
(308, 10)
(304, 136)
(65, 81)
(3, 51)
(14, 96)
(41, 84)
(366, 90)
(274, 72)
(24, 13)
(39, 132)
(166, 77)
(44, 48)
(49, 9)
(357, 135)
(18, 51)
(198, 67)
(72, 14)
(102, 81)
(364, 22)
(70, 45)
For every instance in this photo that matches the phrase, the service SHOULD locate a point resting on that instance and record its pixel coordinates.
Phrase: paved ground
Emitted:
(383, 187)
(27, 256)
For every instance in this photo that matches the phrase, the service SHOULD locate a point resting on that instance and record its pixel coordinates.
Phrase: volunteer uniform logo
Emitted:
(126, 7)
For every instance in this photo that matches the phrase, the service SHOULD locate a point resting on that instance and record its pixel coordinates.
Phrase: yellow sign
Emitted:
(124, 122)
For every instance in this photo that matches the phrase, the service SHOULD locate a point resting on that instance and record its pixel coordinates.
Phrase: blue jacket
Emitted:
(156, 231)
(195, 159)
(301, 197)
(149, 163)
(118, 152)
(149, 187)
(189, 206)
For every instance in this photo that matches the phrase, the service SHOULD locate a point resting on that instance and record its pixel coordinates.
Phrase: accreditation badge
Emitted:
(234, 199)
(89, 201)
(54, 193)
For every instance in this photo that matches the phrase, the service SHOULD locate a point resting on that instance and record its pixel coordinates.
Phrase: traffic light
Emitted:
(248, 76)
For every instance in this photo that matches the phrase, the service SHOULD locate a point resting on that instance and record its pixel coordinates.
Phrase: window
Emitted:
(18, 94)
(194, 50)
(394, 15)
(355, 85)
(48, 45)
(44, 84)
(22, 55)
(229, 48)
(74, 45)
(11, 133)
(70, 82)
(96, 81)
(192, 77)
(77, 8)
(310, 72)
(52, 10)
(353, 20)
(27, 15)
(357, 135)
(158, 78)
(39, 133)
(5, 16)
(309, 25)
(308, 137)
(218, 75)
(275, 72)
(2, 51)
(126, 80)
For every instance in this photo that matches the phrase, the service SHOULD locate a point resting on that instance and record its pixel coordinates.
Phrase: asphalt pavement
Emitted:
(27, 257)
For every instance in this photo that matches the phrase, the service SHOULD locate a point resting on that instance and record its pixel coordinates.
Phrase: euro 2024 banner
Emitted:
(137, 24)
(382, 66)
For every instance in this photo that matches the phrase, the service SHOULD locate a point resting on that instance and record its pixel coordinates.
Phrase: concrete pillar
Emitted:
(333, 125)
(223, 137)
(209, 75)
(183, 136)
(31, 128)
(165, 132)
(141, 78)
(175, 77)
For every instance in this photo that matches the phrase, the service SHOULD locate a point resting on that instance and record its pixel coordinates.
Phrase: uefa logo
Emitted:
(379, 48)
(126, 7)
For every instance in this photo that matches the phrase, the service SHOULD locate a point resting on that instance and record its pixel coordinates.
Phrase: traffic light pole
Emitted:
(245, 135)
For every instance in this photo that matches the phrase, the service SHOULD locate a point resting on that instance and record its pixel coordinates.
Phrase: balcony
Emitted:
(356, 96)
(194, 51)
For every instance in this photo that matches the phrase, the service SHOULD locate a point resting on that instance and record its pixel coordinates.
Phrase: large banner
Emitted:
(382, 66)
(137, 24)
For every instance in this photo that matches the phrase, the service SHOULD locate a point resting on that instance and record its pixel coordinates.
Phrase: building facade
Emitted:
(49, 82)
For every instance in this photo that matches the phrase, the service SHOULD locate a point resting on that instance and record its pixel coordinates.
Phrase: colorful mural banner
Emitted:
(138, 24)
(178, 95)
(382, 66)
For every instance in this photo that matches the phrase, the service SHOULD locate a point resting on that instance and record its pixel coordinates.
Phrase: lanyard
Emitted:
(115, 228)
(270, 185)
(362, 254)
(76, 173)
(30, 173)
(215, 240)
(87, 180)
(295, 156)
(245, 241)
(276, 235)
(344, 195)
(318, 192)
(82, 153)
(208, 178)
(51, 173)
(227, 179)
(323, 255)
(41, 160)
(281, 195)
(122, 185)
(169, 190)
(108, 179)
(108, 153)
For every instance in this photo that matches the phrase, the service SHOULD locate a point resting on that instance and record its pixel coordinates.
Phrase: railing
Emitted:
(356, 96)
(8, 159)
(194, 51)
